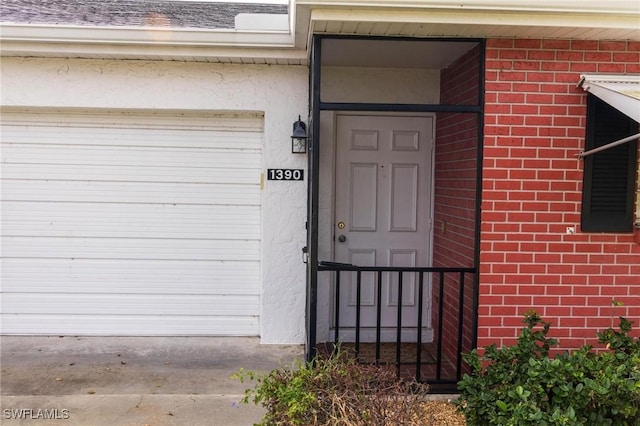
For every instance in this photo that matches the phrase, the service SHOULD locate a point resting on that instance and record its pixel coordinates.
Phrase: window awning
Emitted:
(621, 92)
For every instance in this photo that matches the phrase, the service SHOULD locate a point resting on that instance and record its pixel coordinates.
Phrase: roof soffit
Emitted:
(618, 20)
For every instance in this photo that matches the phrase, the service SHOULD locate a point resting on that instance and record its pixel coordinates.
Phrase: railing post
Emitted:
(358, 306)
(419, 327)
(399, 325)
(378, 317)
(460, 326)
(336, 339)
(440, 323)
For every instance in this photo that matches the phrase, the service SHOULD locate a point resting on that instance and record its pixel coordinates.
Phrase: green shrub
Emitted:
(522, 385)
(335, 390)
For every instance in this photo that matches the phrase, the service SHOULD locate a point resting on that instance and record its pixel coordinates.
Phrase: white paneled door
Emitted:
(131, 223)
(383, 213)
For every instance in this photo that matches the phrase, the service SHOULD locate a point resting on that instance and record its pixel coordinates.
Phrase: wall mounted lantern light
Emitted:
(299, 137)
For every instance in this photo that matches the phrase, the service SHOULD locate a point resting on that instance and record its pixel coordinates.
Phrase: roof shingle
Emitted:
(178, 14)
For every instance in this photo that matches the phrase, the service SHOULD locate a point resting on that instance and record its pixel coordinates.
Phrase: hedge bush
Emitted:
(335, 389)
(522, 385)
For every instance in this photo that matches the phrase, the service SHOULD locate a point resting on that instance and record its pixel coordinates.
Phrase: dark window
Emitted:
(609, 175)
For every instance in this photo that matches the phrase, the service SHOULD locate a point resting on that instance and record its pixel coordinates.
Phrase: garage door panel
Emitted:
(71, 276)
(130, 156)
(133, 325)
(130, 192)
(131, 223)
(131, 220)
(65, 135)
(130, 304)
(118, 173)
(130, 248)
(154, 122)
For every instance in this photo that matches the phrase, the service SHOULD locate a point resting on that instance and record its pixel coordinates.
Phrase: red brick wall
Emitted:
(456, 156)
(534, 125)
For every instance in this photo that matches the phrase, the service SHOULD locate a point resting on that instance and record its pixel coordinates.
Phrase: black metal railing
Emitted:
(452, 301)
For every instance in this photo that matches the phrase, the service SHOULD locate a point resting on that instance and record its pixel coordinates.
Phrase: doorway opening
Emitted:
(382, 216)
(394, 200)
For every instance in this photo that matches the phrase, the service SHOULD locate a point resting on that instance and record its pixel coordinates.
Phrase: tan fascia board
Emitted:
(143, 36)
(155, 52)
(553, 6)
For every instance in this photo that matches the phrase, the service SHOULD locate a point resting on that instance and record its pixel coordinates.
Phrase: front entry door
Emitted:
(383, 216)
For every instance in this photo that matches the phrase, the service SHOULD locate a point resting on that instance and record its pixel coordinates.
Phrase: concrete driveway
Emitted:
(132, 380)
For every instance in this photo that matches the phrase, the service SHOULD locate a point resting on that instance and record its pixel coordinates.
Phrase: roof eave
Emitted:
(577, 19)
(143, 42)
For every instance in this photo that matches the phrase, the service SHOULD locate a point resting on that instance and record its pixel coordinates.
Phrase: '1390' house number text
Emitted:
(285, 174)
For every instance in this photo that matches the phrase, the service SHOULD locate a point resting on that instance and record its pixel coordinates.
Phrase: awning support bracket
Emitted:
(607, 146)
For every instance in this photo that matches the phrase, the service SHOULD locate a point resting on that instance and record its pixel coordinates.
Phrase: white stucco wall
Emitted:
(280, 92)
(380, 85)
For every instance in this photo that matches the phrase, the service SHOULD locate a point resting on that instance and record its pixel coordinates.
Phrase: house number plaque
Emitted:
(285, 174)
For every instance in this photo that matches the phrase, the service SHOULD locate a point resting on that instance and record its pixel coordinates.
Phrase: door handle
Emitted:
(342, 238)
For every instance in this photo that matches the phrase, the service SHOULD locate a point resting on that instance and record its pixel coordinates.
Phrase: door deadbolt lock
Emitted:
(341, 225)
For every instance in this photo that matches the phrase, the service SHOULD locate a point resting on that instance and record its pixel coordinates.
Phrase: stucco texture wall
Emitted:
(279, 92)
(532, 182)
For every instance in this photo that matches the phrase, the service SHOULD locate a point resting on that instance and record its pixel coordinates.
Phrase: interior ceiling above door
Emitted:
(392, 53)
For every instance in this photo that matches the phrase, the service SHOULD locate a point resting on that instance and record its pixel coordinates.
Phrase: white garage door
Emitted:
(131, 224)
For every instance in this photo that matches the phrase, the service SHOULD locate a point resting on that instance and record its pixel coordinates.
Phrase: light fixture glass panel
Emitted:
(298, 146)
